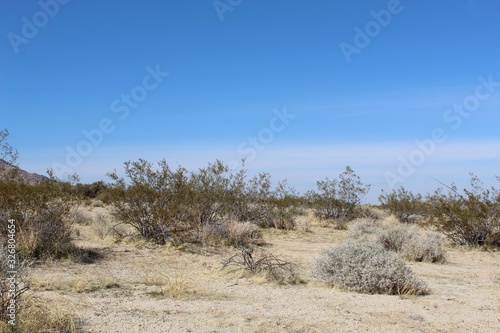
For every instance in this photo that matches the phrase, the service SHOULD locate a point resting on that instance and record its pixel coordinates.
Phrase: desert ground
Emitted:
(139, 287)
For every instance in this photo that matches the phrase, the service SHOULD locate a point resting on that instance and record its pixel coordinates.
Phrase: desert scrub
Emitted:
(468, 218)
(426, 247)
(264, 263)
(43, 215)
(367, 268)
(364, 230)
(231, 233)
(338, 198)
(407, 240)
(395, 237)
(403, 204)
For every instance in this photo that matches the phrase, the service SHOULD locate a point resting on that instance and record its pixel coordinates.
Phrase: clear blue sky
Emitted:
(299, 88)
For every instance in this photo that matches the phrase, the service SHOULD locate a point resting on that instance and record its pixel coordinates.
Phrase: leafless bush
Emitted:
(12, 285)
(367, 268)
(273, 268)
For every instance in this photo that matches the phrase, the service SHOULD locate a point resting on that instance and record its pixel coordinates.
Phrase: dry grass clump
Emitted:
(37, 316)
(266, 264)
(367, 268)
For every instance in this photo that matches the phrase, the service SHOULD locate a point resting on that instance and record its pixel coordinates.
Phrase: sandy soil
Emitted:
(135, 288)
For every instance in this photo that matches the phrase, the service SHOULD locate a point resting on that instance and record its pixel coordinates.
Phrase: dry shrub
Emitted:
(231, 234)
(367, 268)
(395, 237)
(404, 239)
(266, 264)
(364, 230)
(427, 248)
(370, 212)
(12, 286)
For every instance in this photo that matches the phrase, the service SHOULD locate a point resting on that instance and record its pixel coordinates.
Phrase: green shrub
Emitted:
(471, 218)
(367, 268)
(403, 204)
(215, 191)
(337, 198)
(43, 217)
(154, 202)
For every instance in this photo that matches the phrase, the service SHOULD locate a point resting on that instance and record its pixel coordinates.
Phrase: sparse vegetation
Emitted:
(367, 268)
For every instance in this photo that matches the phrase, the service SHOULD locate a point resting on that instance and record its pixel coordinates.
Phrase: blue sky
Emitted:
(299, 88)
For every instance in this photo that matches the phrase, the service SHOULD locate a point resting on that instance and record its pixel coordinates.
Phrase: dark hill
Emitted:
(7, 169)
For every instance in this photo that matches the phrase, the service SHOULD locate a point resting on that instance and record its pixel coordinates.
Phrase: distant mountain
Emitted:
(7, 169)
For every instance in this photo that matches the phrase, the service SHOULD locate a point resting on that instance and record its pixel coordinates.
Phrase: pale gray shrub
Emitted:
(364, 230)
(367, 268)
(401, 238)
(427, 248)
(394, 237)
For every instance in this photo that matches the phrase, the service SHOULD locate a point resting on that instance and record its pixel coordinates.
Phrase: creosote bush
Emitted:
(471, 218)
(403, 204)
(166, 205)
(367, 268)
(43, 217)
(338, 198)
